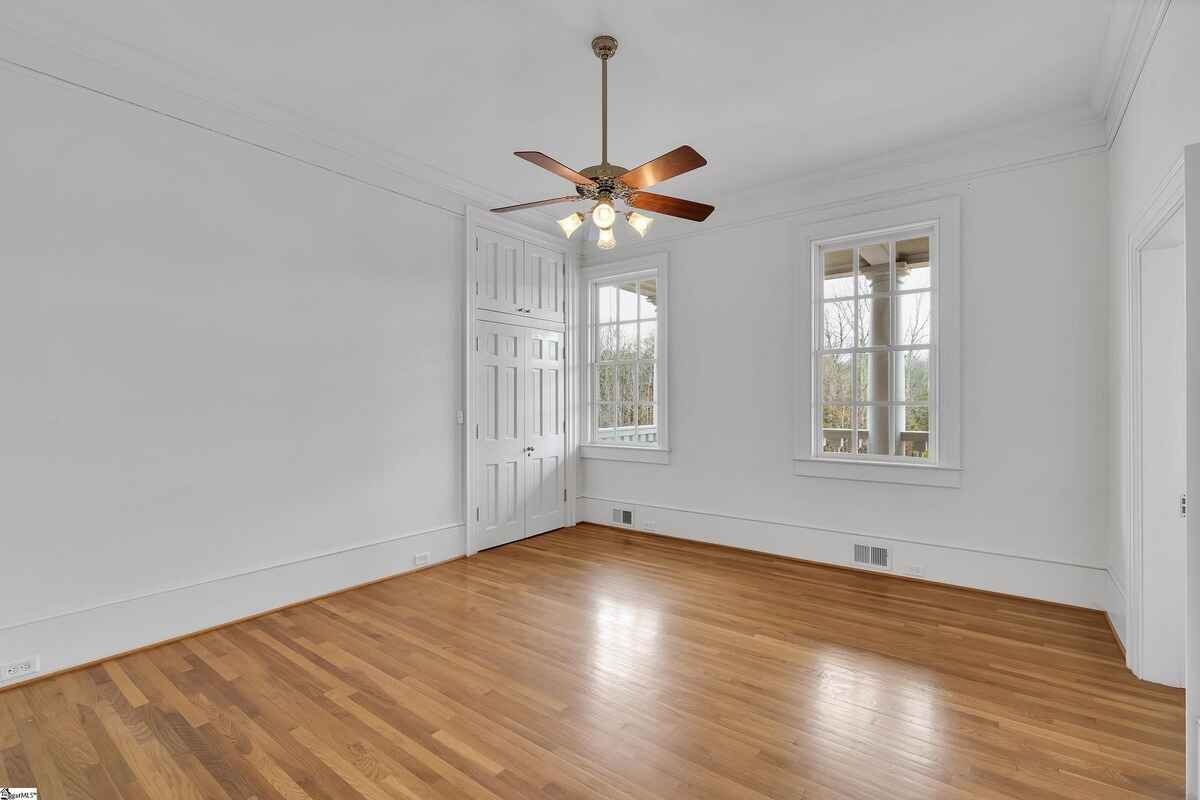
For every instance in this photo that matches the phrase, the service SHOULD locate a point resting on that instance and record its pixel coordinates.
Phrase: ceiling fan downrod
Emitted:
(605, 47)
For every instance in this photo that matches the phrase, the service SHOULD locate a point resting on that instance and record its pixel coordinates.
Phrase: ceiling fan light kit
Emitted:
(605, 183)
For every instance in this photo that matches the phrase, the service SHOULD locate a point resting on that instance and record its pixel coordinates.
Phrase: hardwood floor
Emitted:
(593, 663)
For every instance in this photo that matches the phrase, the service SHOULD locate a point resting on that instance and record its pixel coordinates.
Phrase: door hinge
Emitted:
(1183, 505)
(476, 244)
(476, 430)
(564, 426)
(564, 495)
(477, 513)
(476, 343)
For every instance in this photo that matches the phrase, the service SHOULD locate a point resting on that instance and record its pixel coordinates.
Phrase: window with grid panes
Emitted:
(873, 365)
(623, 397)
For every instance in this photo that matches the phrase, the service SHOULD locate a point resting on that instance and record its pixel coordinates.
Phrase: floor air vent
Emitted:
(879, 557)
(622, 516)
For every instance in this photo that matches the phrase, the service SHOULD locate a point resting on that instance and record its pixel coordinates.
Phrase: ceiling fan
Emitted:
(605, 183)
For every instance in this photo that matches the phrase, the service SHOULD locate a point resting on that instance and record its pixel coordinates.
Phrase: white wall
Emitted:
(1162, 118)
(230, 379)
(1035, 432)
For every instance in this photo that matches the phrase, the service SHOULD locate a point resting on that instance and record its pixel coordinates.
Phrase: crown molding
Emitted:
(50, 49)
(1133, 28)
(911, 174)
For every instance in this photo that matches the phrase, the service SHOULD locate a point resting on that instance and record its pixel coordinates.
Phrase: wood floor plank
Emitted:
(592, 663)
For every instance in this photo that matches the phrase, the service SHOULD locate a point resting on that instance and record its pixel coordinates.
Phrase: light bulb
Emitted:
(606, 240)
(639, 222)
(571, 224)
(604, 215)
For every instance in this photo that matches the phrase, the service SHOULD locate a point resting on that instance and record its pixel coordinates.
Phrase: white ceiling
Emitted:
(765, 90)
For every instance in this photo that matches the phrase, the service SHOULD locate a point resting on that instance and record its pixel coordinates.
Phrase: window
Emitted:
(626, 397)
(881, 355)
(875, 339)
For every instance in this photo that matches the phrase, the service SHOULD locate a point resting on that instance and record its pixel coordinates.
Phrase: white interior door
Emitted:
(1192, 247)
(501, 414)
(1164, 455)
(545, 292)
(499, 271)
(545, 433)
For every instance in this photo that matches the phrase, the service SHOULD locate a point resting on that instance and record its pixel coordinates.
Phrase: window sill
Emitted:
(616, 452)
(879, 472)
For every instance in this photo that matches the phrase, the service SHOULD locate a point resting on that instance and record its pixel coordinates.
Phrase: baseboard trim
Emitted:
(1115, 609)
(210, 629)
(841, 567)
(78, 639)
(1116, 636)
(1063, 583)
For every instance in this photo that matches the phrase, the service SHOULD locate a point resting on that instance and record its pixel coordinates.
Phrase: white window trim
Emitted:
(945, 213)
(661, 453)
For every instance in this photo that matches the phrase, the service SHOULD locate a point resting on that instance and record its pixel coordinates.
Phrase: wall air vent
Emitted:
(623, 517)
(871, 556)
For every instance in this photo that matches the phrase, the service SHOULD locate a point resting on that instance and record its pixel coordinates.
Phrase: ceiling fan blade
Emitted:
(668, 165)
(536, 203)
(671, 206)
(546, 162)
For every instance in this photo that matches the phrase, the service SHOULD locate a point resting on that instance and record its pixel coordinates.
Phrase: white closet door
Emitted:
(544, 283)
(501, 412)
(545, 439)
(499, 272)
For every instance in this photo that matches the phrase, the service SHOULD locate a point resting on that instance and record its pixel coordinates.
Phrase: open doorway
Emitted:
(1163, 451)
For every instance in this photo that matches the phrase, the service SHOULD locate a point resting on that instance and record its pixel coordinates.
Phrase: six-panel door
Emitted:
(544, 433)
(501, 414)
(520, 408)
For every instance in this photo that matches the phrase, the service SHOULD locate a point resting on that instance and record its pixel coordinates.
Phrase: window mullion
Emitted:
(637, 368)
(855, 342)
(893, 337)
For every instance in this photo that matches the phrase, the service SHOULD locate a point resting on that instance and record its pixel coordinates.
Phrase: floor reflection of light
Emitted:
(869, 703)
(625, 639)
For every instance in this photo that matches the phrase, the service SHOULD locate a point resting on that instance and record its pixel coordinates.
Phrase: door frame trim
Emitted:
(477, 217)
(1167, 199)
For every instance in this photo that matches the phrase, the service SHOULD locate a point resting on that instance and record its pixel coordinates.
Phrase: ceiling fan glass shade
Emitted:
(639, 222)
(571, 224)
(606, 241)
(604, 215)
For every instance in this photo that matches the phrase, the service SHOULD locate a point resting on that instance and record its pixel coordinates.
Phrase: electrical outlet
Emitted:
(16, 670)
(461, 418)
(421, 559)
(914, 569)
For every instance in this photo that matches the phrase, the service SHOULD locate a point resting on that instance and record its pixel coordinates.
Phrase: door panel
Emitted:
(1192, 249)
(544, 475)
(500, 409)
(499, 271)
(544, 283)
(1164, 461)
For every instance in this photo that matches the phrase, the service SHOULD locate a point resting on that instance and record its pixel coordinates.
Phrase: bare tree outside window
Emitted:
(875, 344)
(624, 397)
